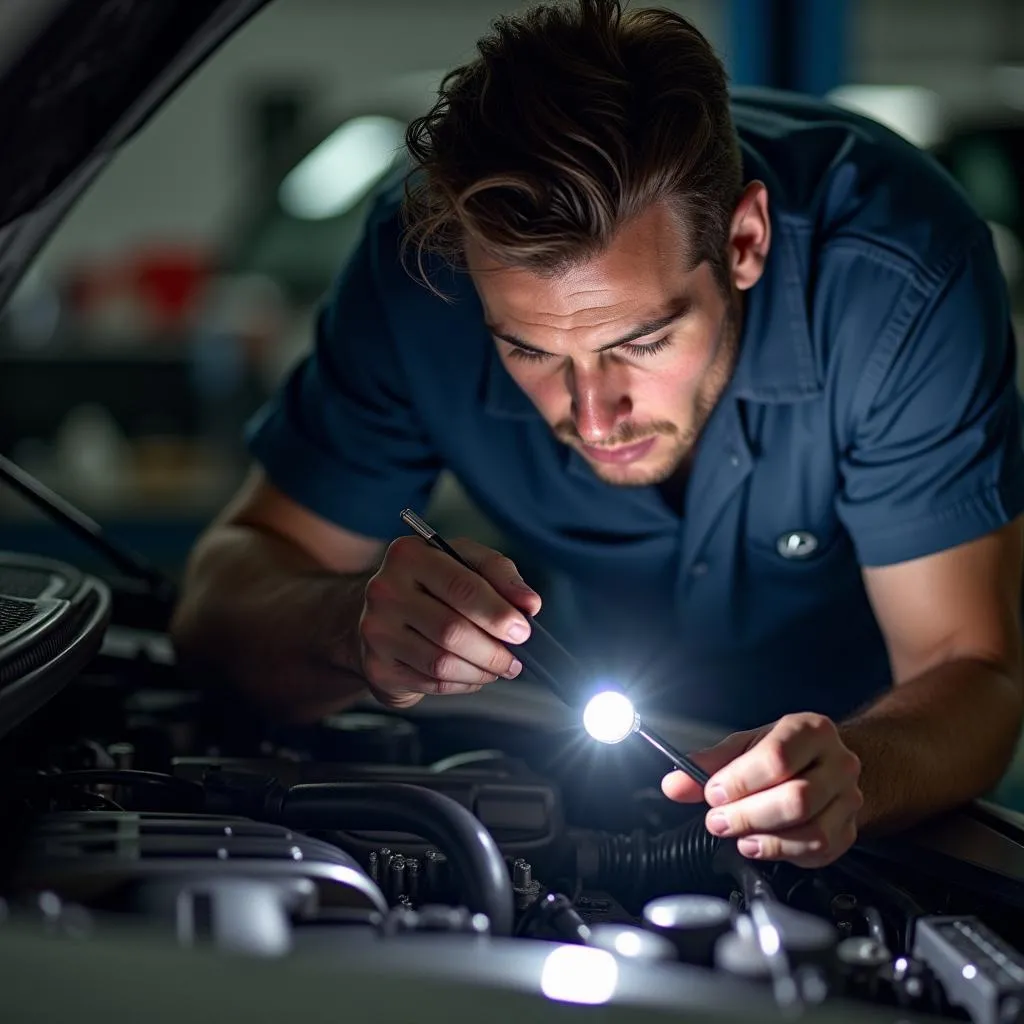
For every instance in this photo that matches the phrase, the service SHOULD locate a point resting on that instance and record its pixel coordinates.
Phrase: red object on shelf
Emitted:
(170, 282)
(165, 283)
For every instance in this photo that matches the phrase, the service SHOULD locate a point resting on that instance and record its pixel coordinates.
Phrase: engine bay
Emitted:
(439, 838)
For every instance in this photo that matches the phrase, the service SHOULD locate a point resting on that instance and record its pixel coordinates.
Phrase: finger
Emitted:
(680, 787)
(812, 845)
(792, 803)
(500, 571)
(397, 685)
(468, 593)
(452, 638)
(786, 750)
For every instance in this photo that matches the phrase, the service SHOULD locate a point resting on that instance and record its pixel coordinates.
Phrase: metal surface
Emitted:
(23, 237)
(428, 978)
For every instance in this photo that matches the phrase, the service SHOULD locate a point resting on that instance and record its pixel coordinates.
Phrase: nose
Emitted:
(600, 400)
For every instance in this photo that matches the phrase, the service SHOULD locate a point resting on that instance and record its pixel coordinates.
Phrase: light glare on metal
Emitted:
(609, 717)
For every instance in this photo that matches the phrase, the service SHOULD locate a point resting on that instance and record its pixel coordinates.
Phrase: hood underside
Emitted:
(77, 78)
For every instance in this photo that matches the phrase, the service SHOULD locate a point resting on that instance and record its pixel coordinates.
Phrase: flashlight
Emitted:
(609, 717)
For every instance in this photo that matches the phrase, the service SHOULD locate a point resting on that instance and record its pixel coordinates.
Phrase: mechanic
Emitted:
(736, 368)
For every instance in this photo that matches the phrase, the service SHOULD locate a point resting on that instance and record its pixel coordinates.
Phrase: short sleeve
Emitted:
(341, 436)
(934, 457)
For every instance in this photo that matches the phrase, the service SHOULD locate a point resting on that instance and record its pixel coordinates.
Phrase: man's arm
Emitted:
(801, 788)
(947, 730)
(271, 602)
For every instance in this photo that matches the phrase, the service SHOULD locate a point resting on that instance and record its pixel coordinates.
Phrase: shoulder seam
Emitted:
(923, 287)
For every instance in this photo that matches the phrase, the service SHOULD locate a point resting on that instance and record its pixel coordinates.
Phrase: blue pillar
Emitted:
(789, 44)
(752, 44)
(820, 55)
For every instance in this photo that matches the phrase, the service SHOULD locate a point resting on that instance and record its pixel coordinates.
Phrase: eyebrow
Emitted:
(680, 310)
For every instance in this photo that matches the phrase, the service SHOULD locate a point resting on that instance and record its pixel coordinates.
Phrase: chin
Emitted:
(644, 473)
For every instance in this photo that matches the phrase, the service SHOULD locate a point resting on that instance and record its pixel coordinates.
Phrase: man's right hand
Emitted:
(431, 626)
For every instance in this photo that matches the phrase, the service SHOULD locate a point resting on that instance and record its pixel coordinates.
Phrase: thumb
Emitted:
(680, 787)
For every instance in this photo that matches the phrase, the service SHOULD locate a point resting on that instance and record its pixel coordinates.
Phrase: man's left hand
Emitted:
(788, 791)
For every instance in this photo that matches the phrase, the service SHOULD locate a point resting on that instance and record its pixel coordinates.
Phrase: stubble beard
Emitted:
(681, 441)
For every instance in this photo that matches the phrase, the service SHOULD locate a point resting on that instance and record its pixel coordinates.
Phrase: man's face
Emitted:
(626, 355)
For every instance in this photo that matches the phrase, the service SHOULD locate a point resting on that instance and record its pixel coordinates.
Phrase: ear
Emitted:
(750, 236)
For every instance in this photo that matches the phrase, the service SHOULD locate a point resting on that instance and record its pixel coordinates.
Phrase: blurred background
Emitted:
(183, 285)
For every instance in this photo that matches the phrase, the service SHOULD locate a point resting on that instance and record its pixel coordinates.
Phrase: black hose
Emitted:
(648, 864)
(394, 807)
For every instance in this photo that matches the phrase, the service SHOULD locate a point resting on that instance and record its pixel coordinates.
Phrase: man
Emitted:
(739, 374)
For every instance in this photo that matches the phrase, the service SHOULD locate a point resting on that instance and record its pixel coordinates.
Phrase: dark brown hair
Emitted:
(574, 118)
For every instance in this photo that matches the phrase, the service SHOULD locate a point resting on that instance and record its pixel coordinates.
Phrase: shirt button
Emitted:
(699, 569)
(734, 458)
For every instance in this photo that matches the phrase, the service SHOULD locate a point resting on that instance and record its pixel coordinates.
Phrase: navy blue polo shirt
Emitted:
(872, 418)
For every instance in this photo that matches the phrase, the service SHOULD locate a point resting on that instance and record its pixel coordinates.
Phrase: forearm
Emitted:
(262, 614)
(934, 742)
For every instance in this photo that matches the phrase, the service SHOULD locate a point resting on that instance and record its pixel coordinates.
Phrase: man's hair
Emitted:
(573, 119)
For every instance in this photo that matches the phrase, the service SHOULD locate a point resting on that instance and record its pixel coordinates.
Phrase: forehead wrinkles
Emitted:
(586, 318)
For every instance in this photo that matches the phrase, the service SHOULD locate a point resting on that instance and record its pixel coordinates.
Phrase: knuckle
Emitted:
(797, 801)
(402, 549)
(853, 764)
(857, 798)
(462, 589)
(810, 721)
(739, 823)
(499, 661)
(372, 668)
(453, 632)
(370, 627)
(771, 847)
(776, 757)
(494, 563)
(377, 589)
(441, 666)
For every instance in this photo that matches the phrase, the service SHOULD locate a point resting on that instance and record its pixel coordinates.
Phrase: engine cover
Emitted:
(96, 857)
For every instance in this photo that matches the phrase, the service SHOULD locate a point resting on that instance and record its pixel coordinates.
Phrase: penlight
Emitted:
(609, 717)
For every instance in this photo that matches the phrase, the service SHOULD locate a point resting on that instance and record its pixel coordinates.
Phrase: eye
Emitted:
(526, 355)
(643, 351)
(651, 349)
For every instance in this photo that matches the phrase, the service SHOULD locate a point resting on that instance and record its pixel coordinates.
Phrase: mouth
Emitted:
(622, 454)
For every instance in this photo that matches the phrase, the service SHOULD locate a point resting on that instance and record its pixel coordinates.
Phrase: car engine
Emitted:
(483, 840)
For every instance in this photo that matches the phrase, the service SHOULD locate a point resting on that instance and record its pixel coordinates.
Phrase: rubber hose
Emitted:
(396, 807)
(647, 863)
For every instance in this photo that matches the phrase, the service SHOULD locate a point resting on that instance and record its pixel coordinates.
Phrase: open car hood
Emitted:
(77, 79)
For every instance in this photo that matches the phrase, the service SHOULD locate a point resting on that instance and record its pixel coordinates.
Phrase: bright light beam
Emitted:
(609, 717)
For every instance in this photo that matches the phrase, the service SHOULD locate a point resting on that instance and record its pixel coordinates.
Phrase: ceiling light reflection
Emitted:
(342, 169)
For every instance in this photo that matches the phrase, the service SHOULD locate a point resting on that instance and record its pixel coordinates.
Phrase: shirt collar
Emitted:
(776, 362)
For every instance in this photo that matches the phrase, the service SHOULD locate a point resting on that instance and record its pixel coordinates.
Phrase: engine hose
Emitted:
(649, 864)
(396, 807)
